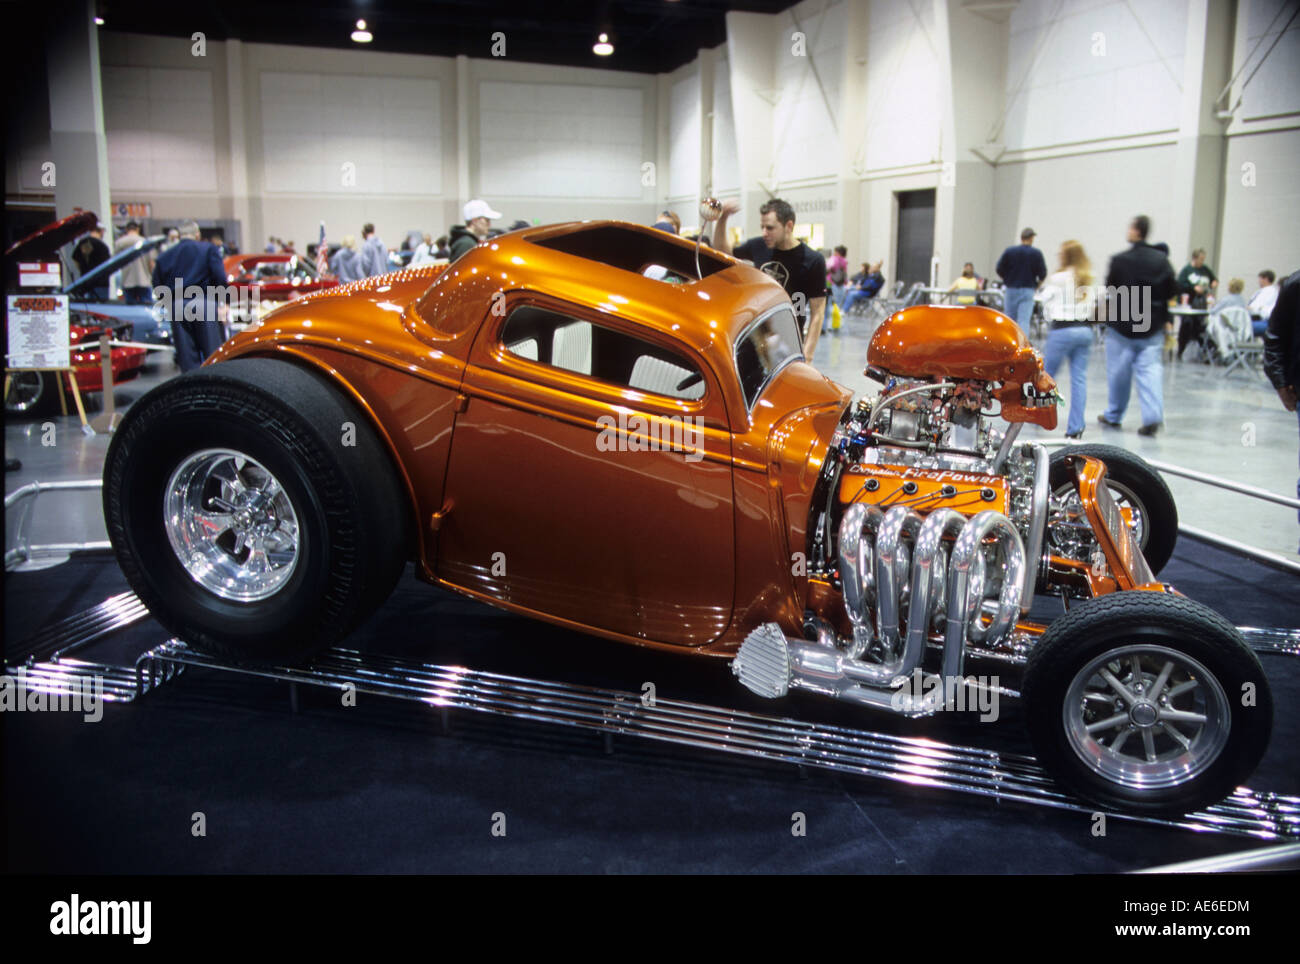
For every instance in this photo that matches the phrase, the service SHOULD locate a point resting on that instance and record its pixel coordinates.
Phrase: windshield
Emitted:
(767, 346)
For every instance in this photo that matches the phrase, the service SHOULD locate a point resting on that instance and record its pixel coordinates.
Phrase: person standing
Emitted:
(1196, 281)
(346, 262)
(478, 222)
(1136, 336)
(89, 254)
(136, 275)
(1282, 346)
(423, 253)
(373, 257)
(837, 280)
(799, 269)
(196, 326)
(1021, 269)
(1068, 305)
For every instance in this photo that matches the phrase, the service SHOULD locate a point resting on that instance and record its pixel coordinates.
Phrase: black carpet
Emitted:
(380, 788)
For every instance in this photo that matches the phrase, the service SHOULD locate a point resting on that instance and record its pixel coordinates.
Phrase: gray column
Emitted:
(77, 142)
(974, 49)
(1198, 174)
(240, 209)
(751, 40)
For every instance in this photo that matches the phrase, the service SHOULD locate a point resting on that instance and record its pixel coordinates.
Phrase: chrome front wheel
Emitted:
(1146, 717)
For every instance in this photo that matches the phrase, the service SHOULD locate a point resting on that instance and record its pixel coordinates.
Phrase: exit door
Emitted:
(915, 241)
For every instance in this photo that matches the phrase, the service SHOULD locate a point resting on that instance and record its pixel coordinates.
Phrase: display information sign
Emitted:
(39, 274)
(38, 331)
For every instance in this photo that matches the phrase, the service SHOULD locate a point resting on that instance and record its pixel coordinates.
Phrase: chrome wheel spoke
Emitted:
(1162, 680)
(214, 523)
(1175, 691)
(1117, 686)
(1175, 735)
(1182, 716)
(1149, 745)
(1108, 724)
(1118, 745)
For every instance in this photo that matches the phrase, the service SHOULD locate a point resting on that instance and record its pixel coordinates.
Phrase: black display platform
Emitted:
(380, 788)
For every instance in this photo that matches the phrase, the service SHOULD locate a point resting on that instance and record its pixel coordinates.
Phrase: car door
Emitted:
(589, 479)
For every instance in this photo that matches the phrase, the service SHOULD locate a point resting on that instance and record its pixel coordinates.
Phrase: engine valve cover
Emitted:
(923, 489)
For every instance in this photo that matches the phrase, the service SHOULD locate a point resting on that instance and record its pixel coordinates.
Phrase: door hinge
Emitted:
(462, 402)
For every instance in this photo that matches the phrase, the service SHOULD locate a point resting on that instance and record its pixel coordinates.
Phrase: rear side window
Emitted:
(766, 348)
(576, 345)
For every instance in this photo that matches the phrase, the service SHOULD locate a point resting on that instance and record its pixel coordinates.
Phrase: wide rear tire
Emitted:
(254, 510)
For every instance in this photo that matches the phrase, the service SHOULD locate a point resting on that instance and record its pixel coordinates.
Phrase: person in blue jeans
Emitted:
(1022, 269)
(1139, 284)
(1068, 304)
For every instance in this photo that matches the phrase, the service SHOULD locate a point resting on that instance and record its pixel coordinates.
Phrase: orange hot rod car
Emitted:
(595, 425)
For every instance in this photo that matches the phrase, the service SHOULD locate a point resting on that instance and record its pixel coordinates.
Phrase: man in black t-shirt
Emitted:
(799, 269)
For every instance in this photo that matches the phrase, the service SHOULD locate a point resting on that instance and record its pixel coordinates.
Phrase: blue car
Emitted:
(150, 323)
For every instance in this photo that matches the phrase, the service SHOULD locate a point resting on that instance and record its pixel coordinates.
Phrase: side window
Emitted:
(576, 345)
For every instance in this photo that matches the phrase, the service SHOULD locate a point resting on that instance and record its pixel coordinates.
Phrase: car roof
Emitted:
(708, 314)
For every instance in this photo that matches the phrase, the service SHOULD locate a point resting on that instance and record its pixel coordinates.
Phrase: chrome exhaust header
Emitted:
(946, 595)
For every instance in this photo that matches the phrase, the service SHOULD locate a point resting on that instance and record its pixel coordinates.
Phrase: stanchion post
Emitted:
(106, 421)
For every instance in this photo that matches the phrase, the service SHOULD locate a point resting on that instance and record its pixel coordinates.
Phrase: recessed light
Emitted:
(602, 46)
(361, 35)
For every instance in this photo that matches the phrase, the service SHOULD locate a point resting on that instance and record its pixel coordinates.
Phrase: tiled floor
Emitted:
(1233, 427)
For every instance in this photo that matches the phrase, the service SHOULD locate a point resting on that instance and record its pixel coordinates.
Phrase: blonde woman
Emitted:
(1069, 304)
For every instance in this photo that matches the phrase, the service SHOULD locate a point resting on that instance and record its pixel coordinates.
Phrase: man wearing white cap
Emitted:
(478, 221)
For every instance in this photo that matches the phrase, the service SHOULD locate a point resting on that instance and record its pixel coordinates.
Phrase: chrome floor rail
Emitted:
(911, 760)
(79, 630)
(1285, 641)
(117, 684)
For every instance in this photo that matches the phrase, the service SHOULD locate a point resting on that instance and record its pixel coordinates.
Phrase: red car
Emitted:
(35, 392)
(276, 277)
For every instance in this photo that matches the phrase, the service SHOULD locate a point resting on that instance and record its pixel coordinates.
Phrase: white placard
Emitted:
(38, 331)
(39, 274)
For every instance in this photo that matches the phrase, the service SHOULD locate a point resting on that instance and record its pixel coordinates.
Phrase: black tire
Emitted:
(1183, 779)
(1140, 485)
(351, 511)
(32, 394)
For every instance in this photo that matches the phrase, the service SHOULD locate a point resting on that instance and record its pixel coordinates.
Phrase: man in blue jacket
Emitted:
(1022, 269)
(187, 265)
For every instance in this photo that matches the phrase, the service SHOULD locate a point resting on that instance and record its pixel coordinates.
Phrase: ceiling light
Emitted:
(99, 21)
(602, 47)
(361, 35)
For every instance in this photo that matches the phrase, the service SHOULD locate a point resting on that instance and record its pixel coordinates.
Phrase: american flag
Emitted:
(322, 253)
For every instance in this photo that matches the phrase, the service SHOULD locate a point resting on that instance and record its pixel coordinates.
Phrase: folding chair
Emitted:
(1234, 339)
